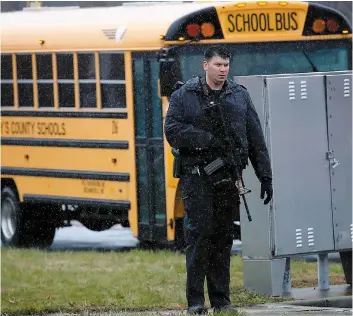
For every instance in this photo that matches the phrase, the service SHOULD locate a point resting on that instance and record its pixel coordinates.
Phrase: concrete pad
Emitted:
(263, 310)
(313, 293)
(278, 309)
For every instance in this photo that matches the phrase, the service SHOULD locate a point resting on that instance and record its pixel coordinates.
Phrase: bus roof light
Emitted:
(283, 3)
(319, 26)
(207, 29)
(193, 30)
(181, 38)
(345, 31)
(332, 26)
(262, 3)
(240, 5)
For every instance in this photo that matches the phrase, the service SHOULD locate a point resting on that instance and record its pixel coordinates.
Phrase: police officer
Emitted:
(195, 128)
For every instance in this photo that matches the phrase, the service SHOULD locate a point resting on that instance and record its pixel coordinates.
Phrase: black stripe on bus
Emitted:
(70, 174)
(43, 142)
(48, 199)
(116, 115)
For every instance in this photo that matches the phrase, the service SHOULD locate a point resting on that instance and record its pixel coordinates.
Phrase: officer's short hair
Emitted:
(220, 51)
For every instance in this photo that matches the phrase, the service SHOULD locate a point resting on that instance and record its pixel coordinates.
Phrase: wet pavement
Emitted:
(274, 310)
(263, 310)
(78, 237)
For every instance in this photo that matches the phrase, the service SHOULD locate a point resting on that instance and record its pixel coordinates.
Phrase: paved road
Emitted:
(261, 310)
(78, 237)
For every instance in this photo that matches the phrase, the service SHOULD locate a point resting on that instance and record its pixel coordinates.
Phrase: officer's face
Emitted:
(217, 69)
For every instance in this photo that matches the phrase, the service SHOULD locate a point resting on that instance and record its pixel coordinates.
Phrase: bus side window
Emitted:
(7, 97)
(112, 79)
(45, 80)
(66, 83)
(24, 80)
(87, 80)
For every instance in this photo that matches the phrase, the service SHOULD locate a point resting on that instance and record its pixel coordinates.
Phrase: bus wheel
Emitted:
(13, 230)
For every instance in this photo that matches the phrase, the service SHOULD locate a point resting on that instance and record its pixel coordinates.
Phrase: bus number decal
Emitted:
(93, 186)
(262, 22)
(115, 127)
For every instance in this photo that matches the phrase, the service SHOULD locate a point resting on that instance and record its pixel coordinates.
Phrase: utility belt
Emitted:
(217, 171)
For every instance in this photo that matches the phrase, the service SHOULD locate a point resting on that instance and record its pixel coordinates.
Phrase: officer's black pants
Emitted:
(208, 227)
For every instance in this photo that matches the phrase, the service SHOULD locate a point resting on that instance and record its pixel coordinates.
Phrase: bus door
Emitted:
(149, 148)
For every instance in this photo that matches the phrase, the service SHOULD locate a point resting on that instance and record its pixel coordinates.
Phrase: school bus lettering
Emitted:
(93, 186)
(115, 127)
(263, 22)
(20, 128)
(16, 128)
(5, 128)
(44, 128)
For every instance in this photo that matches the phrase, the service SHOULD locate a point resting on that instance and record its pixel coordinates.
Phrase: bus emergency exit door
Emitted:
(149, 149)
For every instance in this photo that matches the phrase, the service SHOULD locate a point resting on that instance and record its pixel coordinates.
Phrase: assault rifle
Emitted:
(234, 158)
(236, 164)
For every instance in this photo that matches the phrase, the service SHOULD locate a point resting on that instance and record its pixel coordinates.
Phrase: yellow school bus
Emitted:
(84, 93)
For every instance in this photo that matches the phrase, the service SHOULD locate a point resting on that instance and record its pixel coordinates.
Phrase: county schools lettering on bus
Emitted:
(66, 128)
(14, 128)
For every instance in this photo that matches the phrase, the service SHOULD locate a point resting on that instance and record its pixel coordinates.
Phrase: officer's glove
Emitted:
(266, 187)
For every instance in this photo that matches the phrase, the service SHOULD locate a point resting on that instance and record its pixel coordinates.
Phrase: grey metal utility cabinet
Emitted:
(307, 122)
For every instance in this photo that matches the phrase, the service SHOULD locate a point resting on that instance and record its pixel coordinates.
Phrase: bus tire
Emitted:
(14, 232)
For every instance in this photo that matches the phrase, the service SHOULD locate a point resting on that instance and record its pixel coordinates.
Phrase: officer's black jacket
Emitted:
(187, 126)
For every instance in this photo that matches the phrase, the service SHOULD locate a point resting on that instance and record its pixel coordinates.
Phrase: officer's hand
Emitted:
(266, 187)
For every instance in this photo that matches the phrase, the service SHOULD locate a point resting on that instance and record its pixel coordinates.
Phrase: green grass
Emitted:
(34, 281)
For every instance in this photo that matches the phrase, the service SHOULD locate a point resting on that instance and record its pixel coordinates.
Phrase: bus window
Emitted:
(7, 98)
(24, 67)
(25, 80)
(330, 59)
(65, 64)
(6, 67)
(273, 58)
(87, 80)
(45, 80)
(7, 94)
(140, 113)
(44, 67)
(112, 79)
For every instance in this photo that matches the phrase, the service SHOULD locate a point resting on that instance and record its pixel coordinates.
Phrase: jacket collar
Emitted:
(194, 84)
